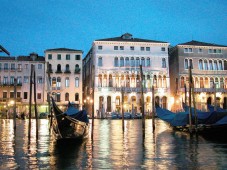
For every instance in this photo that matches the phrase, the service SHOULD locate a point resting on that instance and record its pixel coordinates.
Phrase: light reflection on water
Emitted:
(110, 149)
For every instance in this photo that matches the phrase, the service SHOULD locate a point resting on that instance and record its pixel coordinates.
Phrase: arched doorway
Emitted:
(209, 100)
(164, 102)
(108, 109)
(157, 100)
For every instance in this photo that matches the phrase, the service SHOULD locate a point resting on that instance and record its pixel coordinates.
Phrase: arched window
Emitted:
(217, 83)
(210, 65)
(54, 82)
(66, 96)
(137, 61)
(137, 81)
(77, 68)
(211, 82)
(67, 82)
(108, 109)
(164, 82)
(115, 62)
(163, 63)
(148, 62)
(221, 82)
(127, 64)
(127, 81)
(186, 63)
(59, 67)
(182, 82)
(121, 62)
(110, 81)
(159, 81)
(122, 81)
(201, 64)
(197, 82)
(148, 81)
(58, 82)
(201, 83)
(105, 81)
(215, 65)
(67, 67)
(77, 97)
(58, 97)
(205, 65)
(206, 83)
(132, 62)
(76, 82)
(155, 81)
(191, 63)
(164, 102)
(143, 62)
(133, 81)
(100, 81)
(220, 65)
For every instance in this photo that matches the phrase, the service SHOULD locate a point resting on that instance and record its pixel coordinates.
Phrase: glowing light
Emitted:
(12, 102)
(91, 101)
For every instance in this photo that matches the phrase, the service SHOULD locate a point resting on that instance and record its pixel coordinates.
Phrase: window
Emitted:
(100, 61)
(77, 82)
(200, 64)
(49, 56)
(67, 67)
(19, 80)
(67, 82)
(39, 80)
(115, 62)
(4, 95)
(58, 97)
(66, 96)
(121, 62)
(191, 63)
(205, 65)
(67, 57)
(132, 48)
(58, 85)
(220, 67)
(19, 67)
(200, 50)
(147, 48)
(6, 66)
(148, 62)
(132, 62)
(163, 63)
(59, 68)
(12, 80)
(115, 47)
(77, 68)
(99, 47)
(187, 50)
(143, 62)
(26, 66)
(127, 62)
(39, 66)
(186, 64)
(18, 94)
(77, 97)
(25, 79)
(59, 56)
(25, 95)
(137, 61)
(5, 80)
(13, 66)
(121, 47)
(39, 96)
(163, 49)
(77, 57)
(214, 51)
(210, 65)
(11, 94)
(215, 65)
(141, 48)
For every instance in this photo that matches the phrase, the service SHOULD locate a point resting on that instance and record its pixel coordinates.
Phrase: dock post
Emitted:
(36, 113)
(30, 104)
(153, 109)
(14, 104)
(142, 100)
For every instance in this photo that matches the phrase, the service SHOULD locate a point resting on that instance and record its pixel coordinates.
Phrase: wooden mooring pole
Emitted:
(92, 110)
(14, 104)
(36, 113)
(153, 109)
(122, 108)
(30, 103)
(142, 100)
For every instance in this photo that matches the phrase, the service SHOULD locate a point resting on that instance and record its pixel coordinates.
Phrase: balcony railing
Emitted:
(58, 72)
(209, 90)
(132, 89)
(67, 72)
(77, 71)
(56, 88)
(50, 71)
(10, 84)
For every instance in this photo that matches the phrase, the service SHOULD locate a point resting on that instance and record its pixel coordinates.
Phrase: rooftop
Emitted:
(127, 37)
(63, 49)
(198, 43)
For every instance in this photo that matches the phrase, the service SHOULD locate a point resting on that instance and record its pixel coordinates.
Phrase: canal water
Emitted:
(110, 148)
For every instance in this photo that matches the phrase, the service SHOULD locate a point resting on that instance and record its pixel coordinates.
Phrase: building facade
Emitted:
(209, 72)
(112, 66)
(19, 69)
(65, 68)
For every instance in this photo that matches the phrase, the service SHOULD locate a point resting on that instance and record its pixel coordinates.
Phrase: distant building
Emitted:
(112, 65)
(209, 69)
(20, 68)
(65, 76)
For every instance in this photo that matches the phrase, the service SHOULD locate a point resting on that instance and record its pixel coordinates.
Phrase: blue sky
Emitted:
(36, 25)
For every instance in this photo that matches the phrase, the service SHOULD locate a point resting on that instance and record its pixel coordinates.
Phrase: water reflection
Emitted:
(110, 149)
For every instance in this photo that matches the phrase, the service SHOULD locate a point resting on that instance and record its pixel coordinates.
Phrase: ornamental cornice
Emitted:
(130, 43)
(202, 47)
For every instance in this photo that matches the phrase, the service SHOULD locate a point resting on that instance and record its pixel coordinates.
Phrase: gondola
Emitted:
(210, 124)
(71, 124)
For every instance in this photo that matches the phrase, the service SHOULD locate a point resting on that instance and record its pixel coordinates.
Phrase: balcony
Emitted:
(56, 88)
(10, 84)
(208, 90)
(58, 72)
(67, 72)
(50, 71)
(132, 89)
(12, 69)
(77, 71)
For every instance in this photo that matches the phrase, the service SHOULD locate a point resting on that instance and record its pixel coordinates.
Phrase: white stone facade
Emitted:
(117, 67)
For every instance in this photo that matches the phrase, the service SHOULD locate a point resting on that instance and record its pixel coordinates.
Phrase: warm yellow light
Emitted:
(91, 101)
(85, 101)
(12, 102)
(88, 98)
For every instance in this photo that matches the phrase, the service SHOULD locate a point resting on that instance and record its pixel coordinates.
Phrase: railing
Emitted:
(209, 90)
(58, 71)
(77, 71)
(67, 72)
(18, 99)
(132, 89)
(56, 88)
(50, 71)
(10, 84)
